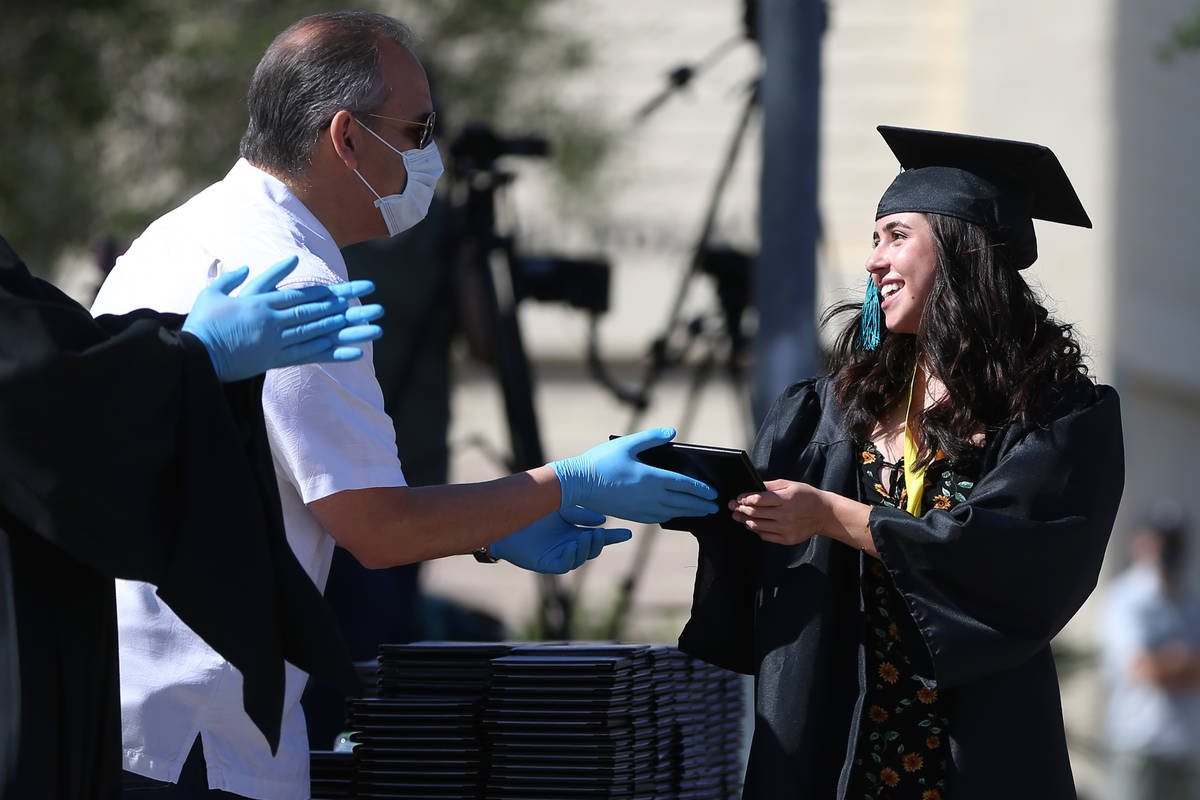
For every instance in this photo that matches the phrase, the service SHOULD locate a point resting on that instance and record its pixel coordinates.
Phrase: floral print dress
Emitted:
(902, 739)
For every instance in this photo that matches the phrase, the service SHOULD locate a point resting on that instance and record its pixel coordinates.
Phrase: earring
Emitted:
(869, 330)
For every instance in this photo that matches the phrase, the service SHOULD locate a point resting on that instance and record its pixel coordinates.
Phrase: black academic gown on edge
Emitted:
(121, 455)
(988, 584)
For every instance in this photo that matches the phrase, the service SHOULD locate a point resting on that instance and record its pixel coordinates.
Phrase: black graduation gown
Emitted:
(988, 583)
(121, 455)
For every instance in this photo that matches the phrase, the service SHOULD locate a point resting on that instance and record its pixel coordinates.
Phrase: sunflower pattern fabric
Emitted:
(902, 741)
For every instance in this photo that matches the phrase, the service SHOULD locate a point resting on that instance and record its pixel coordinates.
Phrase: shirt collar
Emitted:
(245, 177)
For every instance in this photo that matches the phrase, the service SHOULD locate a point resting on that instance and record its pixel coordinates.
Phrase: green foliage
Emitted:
(1184, 37)
(498, 61)
(118, 110)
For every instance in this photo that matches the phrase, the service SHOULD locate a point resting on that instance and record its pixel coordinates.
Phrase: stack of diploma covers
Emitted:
(331, 775)
(549, 720)
(421, 736)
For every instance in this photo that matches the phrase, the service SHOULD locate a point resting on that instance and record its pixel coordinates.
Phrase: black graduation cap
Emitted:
(999, 184)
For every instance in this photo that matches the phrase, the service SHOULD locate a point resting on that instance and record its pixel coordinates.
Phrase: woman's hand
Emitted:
(790, 512)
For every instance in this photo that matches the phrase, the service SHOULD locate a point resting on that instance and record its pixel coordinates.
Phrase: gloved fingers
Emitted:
(576, 552)
(305, 352)
(315, 350)
(346, 354)
(686, 505)
(674, 505)
(338, 293)
(577, 515)
(357, 315)
(594, 541)
(228, 281)
(616, 535)
(266, 280)
(352, 289)
(304, 302)
(680, 484)
(323, 327)
(331, 322)
(635, 443)
(358, 333)
(556, 559)
(313, 302)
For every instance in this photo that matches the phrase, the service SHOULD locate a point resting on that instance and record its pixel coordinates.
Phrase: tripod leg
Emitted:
(515, 376)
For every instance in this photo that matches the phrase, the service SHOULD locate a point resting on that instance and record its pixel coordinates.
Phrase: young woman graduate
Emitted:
(937, 508)
(127, 444)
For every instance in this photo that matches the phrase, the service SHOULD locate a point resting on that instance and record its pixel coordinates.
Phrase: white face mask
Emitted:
(402, 211)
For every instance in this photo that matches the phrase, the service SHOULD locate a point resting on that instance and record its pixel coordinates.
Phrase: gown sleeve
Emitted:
(992, 580)
(721, 627)
(119, 446)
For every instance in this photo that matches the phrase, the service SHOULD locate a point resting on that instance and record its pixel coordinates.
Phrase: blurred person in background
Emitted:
(1151, 638)
(339, 150)
(937, 508)
(110, 431)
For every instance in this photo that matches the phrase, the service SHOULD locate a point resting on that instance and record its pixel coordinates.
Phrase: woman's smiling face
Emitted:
(903, 263)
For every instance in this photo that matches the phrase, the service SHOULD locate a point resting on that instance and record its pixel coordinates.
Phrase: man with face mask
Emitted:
(338, 150)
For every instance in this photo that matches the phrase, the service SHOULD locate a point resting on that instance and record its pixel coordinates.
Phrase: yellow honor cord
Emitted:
(914, 479)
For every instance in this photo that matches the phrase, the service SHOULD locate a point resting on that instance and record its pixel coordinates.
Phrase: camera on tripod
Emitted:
(582, 283)
(477, 147)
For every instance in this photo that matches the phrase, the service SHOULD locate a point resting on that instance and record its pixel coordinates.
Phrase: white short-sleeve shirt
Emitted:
(328, 433)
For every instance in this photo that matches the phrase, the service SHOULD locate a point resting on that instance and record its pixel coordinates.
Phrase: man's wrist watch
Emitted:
(484, 555)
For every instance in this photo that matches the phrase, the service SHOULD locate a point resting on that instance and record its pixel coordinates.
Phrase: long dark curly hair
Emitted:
(983, 333)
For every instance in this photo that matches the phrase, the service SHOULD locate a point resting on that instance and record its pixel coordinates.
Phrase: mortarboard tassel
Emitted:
(870, 317)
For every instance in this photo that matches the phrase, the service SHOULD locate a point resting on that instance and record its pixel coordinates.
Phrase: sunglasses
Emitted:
(426, 135)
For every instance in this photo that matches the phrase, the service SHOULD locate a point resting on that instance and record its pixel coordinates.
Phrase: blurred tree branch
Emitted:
(1184, 37)
(120, 109)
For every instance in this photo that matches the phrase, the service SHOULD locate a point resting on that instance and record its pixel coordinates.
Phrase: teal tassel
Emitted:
(870, 317)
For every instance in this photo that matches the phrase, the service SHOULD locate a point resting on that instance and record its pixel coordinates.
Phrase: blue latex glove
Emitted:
(609, 479)
(264, 328)
(556, 543)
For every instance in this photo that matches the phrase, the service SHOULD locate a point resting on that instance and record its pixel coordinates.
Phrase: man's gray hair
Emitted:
(317, 67)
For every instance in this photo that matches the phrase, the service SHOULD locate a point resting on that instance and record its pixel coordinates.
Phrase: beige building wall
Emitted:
(880, 67)
(1156, 199)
